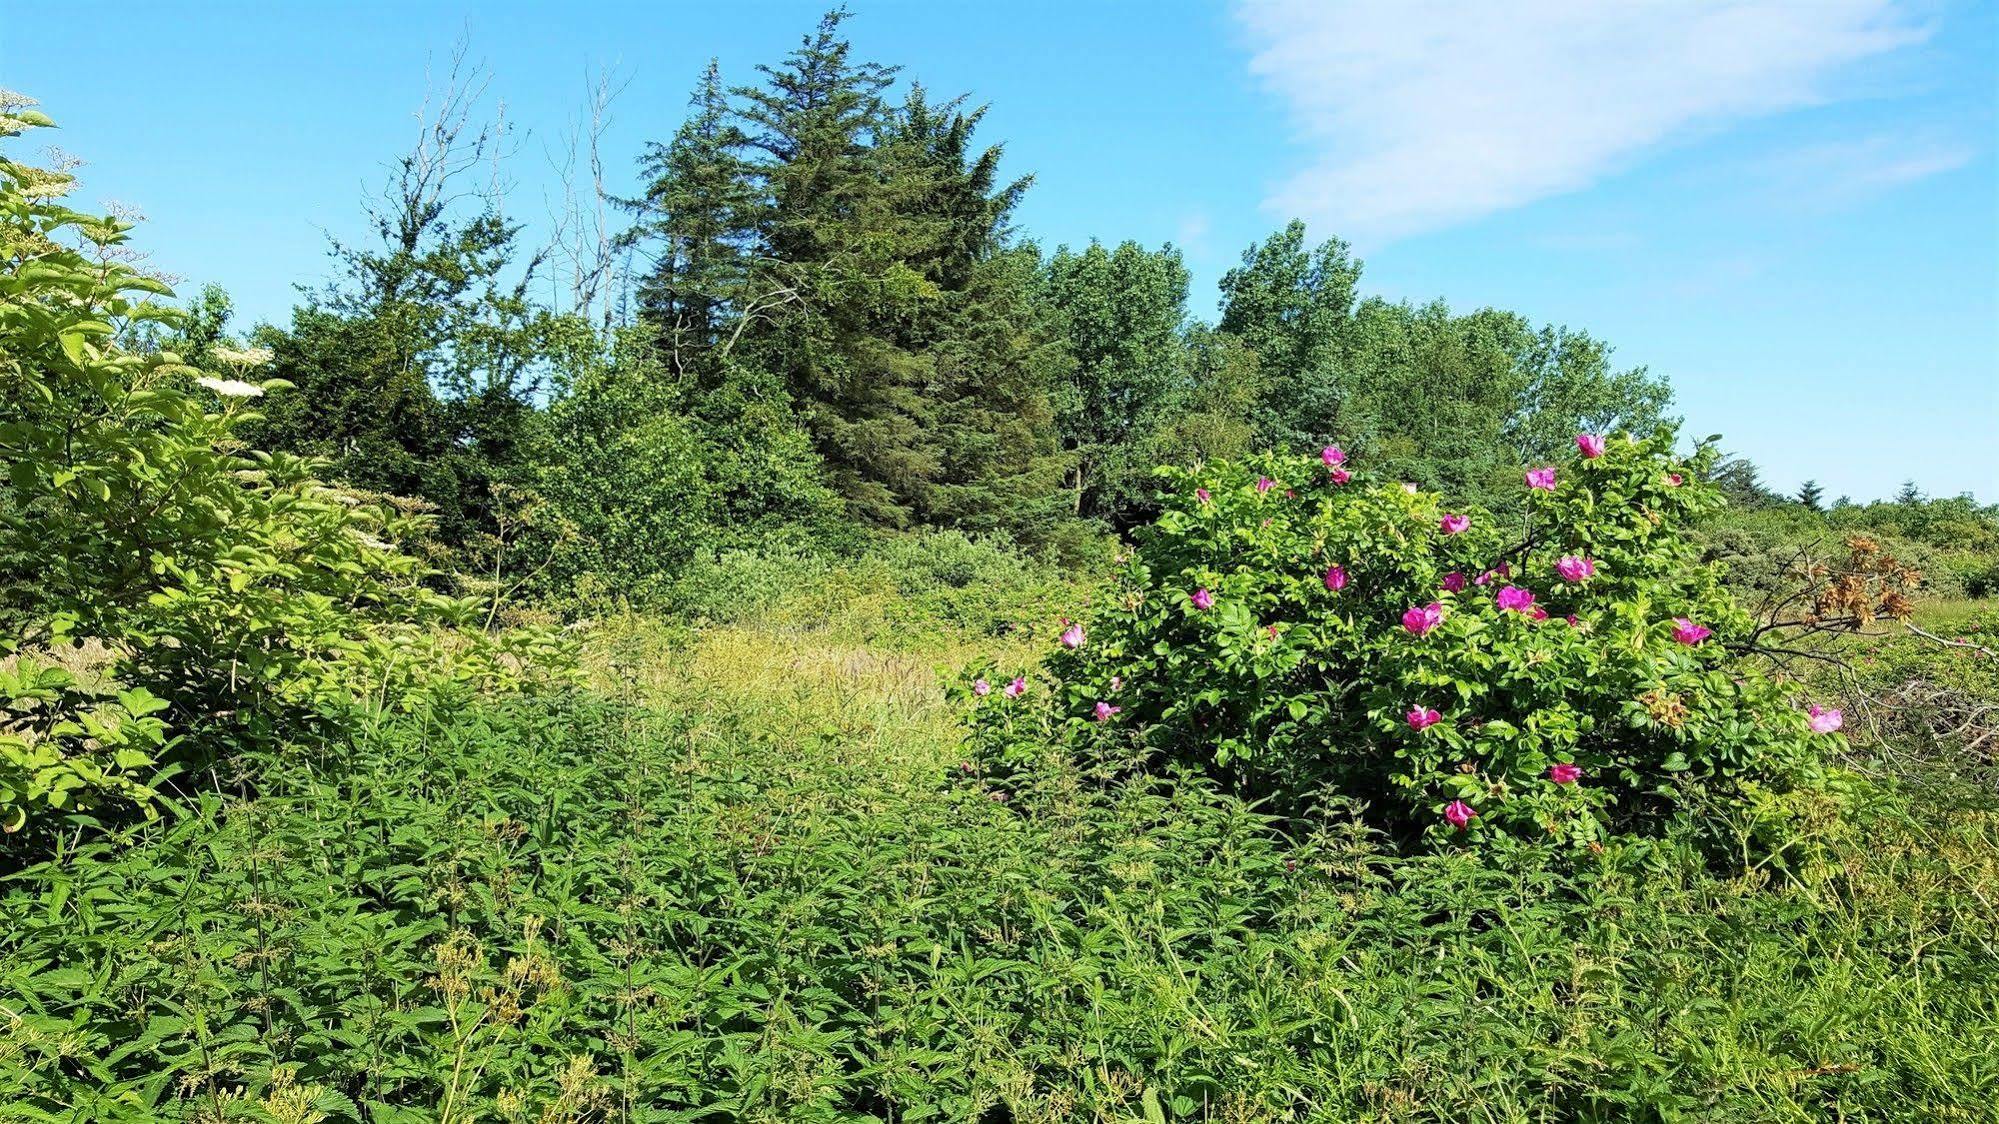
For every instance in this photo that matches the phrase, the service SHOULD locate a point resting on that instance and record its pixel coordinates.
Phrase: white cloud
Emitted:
(1427, 113)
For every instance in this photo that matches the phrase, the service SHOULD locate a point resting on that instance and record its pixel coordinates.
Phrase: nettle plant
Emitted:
(1306, 629)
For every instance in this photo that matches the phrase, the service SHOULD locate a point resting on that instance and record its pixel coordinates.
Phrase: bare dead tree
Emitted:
(584, 240)
(427, 181)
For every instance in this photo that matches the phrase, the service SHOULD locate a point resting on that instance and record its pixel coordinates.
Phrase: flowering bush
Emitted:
(1567, 676)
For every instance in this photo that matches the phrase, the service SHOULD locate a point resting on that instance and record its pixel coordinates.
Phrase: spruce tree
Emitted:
(1811, 495)
(832, 281)
(695, 214)
(994, 343)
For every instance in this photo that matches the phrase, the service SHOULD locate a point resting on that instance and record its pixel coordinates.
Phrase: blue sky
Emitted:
(1790, 208)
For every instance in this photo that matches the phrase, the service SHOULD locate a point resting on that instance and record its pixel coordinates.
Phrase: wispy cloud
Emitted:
(1428, 113)
(1192, 233)
(1847, 172)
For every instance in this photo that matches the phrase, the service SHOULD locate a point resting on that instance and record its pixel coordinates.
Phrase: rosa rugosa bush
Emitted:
(1302, 627)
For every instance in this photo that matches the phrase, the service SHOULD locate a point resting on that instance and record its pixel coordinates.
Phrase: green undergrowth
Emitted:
(745, 878)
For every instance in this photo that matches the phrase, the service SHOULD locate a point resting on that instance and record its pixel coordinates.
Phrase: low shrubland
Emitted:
(750, 876)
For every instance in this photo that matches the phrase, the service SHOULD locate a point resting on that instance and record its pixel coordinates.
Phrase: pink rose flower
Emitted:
(1421, 620)
(1458, 814)
(1072, 637)
(1565, 773)
(1576, 568)
(1203, 600)
(1513, 599)
(1340, 476)
(1422, 718)
(1333, 455)
(1454, 524)
(1264, 484)
(1201, 494)
(1573, 622)
(1591, 444)
(1104, 711)
(1454, 582)
(1541, 479)
(1016, 688)
(1688, 633)
(981, 688)
(1823, 721)
(1539, 613)
(1336, 578)
(1674, 479)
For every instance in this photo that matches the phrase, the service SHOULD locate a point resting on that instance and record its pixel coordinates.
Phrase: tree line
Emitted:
(816, 317)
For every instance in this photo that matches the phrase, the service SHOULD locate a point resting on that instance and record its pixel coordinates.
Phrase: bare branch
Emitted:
(425, 181)
(1935, 639)
(583, 239)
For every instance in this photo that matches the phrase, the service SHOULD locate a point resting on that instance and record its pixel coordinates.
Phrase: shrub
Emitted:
(67, 746)
(1301, 627)
(230, 585)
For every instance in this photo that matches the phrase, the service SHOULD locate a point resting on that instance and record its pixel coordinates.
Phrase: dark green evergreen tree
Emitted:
(837, 272)
(995, 347)
(695, 217)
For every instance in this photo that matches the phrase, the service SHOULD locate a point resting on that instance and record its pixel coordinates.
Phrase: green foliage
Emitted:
(229, 585)
(1122, 311)
(418, 369)
(1298, 687)
(900, 592)
(1295, 310)
(818, 243)
(66, 747)
(1954, 542)
(763, 889)
(1455, 402)
(652, 473)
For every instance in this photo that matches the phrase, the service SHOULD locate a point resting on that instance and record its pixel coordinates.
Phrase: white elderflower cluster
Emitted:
(231, 388)
(243, 356)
